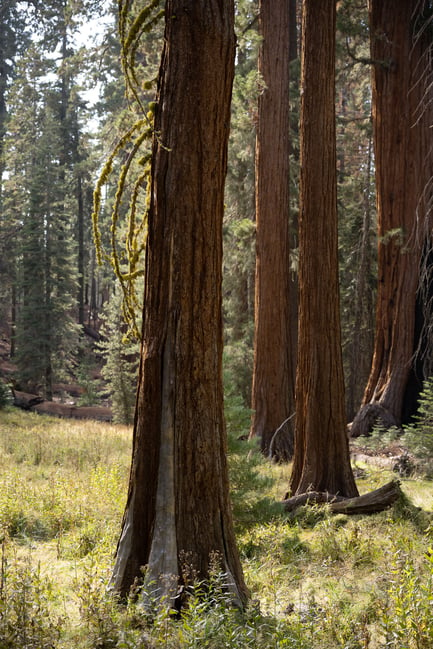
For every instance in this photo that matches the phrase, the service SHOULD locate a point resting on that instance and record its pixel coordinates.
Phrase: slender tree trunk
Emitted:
(13, 314)
(273, 389)
(178, 516)
(361, 344)
(80, 243)
(294, 224)
(321, 459)
(402, 118)
(47, 319)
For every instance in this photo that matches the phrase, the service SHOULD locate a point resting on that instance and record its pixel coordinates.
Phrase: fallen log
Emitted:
(98, 413)
(309, 498)
(369, 503)
(34, 403)
(25, 400)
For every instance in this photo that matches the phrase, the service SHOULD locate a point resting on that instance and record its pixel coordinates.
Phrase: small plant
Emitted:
(419, 436)
(90, 386)
(406, 618)
(98, 608)
(25, 617)
(5, 395)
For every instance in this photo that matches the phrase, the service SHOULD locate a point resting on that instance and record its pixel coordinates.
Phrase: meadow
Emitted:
(317, 580)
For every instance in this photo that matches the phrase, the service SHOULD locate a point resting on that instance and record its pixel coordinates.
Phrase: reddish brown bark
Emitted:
(178, 511)
(402, 120)
(321, 459)
(273, 374)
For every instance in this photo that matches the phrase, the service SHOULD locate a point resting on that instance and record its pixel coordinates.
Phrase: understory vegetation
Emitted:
(317, 580)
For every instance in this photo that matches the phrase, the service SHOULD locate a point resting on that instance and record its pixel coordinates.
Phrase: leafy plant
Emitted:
(25, 617)
(406, 618)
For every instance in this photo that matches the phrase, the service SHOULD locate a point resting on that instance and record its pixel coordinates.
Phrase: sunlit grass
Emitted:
(316, 580)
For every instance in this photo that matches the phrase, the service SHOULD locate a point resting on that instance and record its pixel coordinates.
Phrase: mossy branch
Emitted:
(130, 38)
(125, 258)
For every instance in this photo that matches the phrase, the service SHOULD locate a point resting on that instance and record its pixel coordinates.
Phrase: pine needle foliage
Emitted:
(419, 436)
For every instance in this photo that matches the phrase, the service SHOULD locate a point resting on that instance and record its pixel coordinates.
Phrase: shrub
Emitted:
(406, 615)
(419, 436)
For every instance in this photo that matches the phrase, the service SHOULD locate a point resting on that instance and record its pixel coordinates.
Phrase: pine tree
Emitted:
(36, 187)
(14, 38)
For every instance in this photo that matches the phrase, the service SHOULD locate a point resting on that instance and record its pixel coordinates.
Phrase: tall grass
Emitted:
(316, 580)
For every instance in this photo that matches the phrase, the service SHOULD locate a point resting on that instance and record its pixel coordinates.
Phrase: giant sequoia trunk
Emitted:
(178, 517)
(402, 118)
(321, 459)
(273, 375)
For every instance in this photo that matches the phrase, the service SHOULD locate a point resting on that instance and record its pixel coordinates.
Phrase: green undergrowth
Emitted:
(316, 580)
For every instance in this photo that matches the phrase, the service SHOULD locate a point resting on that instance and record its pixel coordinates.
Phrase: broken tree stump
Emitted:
(369, 503)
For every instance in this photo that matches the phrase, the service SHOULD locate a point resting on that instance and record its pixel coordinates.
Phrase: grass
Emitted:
(316, 580)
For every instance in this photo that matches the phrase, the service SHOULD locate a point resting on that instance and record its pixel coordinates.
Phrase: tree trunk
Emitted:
(80, 247)
(273, 388)
(321, 459)
(178, 515)
(402, 118)
(361, 342)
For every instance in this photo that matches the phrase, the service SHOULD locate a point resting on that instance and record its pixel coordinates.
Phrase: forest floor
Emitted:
(317, 580)
(71, 398)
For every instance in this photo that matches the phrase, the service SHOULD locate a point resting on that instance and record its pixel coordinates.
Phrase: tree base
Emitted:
(369, 416)
(369, 503)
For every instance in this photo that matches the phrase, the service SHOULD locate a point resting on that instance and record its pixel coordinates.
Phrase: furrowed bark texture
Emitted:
(273, 375)
(178, 510)
(402, 118)
(321, 459)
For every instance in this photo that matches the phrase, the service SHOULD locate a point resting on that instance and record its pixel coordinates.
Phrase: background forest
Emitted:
(62, 111)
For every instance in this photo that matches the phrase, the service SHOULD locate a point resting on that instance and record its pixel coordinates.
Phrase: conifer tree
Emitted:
(14, 37)
(321, 457)
(273, 377)
(37, 188)
(177, 518)
(401, 48)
